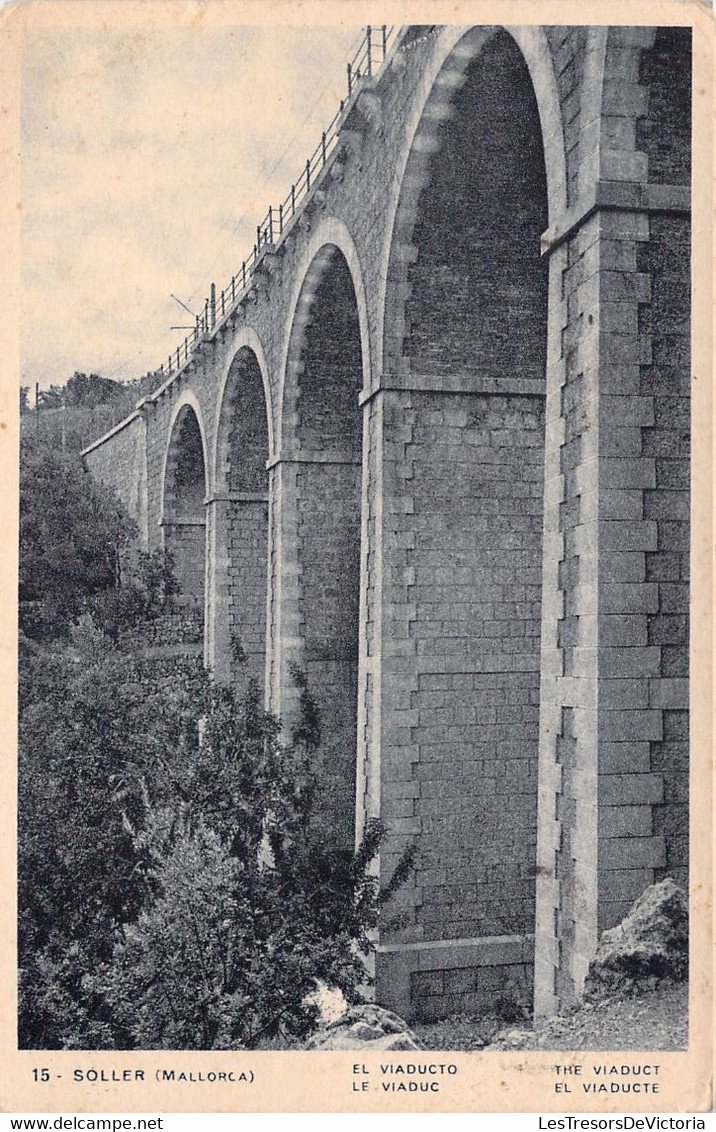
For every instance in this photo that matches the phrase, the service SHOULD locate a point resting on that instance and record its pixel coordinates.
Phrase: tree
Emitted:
(89, 390)
(75, 543)
(72, 534)
(50, 398)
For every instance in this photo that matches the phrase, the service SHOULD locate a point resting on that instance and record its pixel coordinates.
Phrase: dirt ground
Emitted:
(653, 1020)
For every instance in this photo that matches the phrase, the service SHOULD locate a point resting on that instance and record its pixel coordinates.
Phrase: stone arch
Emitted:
(331, 234)
(246, 338)
(464, 382)
(188, 401)
(316, 494)
(238, 516)
(457, 48)
(183, 521)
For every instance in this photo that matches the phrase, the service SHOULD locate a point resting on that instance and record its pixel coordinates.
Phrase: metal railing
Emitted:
(366, 63)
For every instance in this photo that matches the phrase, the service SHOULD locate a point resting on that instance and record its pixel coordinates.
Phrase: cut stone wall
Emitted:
(329, 549)
(472, 472)
(121, 463)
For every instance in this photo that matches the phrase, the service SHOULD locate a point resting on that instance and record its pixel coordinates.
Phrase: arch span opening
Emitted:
(478, 294)
(239, 526)
(184, 518)
(471, 302)
(323, 447)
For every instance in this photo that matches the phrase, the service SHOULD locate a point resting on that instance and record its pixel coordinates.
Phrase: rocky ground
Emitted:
(636, 998)
(651, 1020)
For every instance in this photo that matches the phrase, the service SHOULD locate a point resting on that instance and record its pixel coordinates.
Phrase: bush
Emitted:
(169, 854)
(219, 959)
(78, 553)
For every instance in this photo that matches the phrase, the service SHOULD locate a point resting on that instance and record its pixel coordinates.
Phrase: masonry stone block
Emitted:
(631, 789)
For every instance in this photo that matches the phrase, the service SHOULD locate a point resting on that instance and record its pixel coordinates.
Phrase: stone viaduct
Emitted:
(435, 453)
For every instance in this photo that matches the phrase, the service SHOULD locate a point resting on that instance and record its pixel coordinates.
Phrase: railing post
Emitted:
(266, 234)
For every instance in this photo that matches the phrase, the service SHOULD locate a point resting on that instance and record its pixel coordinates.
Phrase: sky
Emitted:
(148, 158)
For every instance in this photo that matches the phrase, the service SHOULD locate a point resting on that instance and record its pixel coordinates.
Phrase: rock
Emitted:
(365, 1027)
(331, 1002)
(649, 947)
(366, 1033)
(407, 1040)
(512, 1039)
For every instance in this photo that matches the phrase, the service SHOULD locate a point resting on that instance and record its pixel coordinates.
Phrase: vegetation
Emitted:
(174, 889)
(86, 391)
(75, 541)
(73, 415)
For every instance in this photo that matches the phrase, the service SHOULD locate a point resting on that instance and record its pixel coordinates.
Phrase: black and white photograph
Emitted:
(355, 618)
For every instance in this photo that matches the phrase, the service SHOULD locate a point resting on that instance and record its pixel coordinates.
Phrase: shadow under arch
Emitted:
(316, 509)
(464, 388)
(238, 518)
(183, 517)
(245, 338)
(330, 236)
(459, 48)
